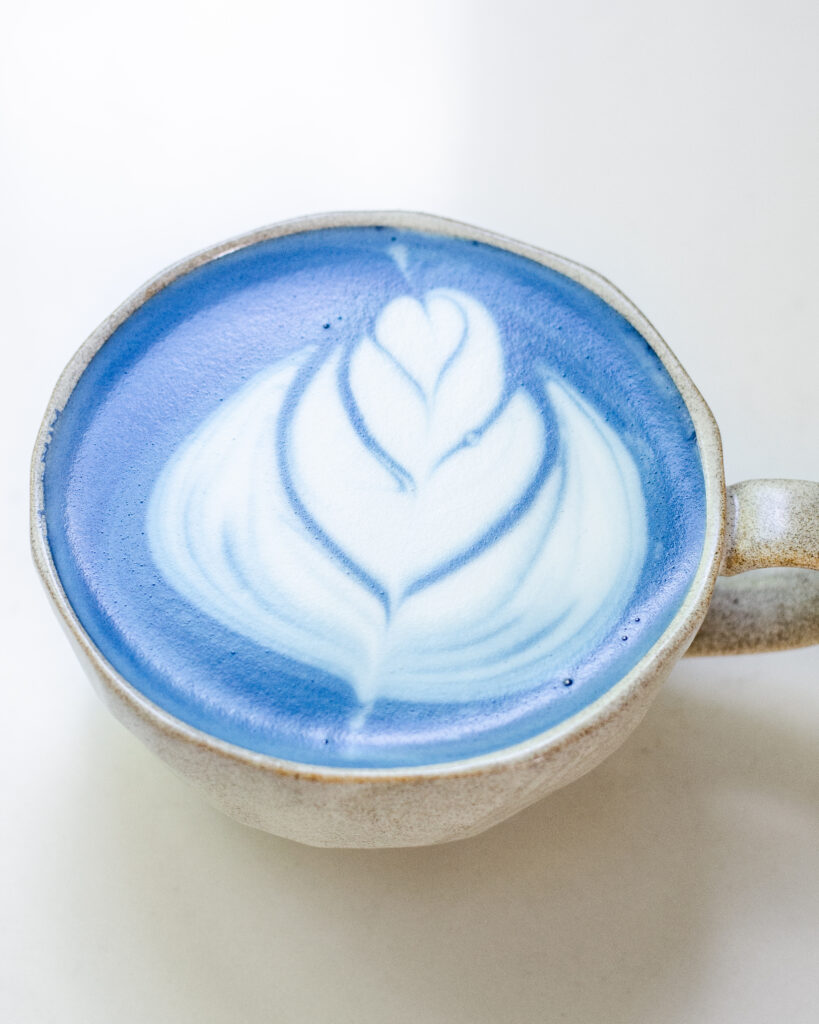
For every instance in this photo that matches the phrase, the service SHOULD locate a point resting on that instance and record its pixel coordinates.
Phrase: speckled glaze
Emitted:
(762, 524)
(771, 525)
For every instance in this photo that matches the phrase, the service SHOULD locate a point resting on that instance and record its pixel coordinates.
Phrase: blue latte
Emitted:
(367, 497)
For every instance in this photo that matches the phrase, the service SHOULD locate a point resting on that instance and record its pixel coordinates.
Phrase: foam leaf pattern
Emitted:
(398, 512)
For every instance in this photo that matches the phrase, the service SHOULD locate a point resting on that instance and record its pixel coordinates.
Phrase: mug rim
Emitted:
(670, 644)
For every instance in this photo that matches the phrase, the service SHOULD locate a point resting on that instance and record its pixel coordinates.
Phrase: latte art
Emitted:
(399, 511)
(374, 497)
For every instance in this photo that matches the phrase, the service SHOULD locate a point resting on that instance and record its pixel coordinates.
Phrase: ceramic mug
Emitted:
(378, 527)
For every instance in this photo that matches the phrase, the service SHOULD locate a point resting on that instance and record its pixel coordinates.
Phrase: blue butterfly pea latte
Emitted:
(368, 497)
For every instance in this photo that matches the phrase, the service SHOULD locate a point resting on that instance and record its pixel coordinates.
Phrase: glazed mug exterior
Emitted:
(755, 525)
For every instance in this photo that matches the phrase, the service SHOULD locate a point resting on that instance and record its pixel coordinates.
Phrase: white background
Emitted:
(673, 147)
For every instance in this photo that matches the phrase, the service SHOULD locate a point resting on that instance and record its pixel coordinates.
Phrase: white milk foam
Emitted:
(404, 516)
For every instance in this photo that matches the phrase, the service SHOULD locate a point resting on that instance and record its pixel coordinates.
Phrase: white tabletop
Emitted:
(671, 147)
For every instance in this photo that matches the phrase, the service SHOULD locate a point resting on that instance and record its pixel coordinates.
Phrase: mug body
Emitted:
(423, 798)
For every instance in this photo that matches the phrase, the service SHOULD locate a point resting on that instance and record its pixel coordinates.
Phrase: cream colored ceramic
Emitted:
(758, 524)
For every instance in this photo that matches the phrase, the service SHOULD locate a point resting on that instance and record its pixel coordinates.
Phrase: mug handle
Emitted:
(770, 524)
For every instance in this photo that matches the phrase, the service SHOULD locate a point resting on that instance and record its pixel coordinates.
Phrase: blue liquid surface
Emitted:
(202, 339)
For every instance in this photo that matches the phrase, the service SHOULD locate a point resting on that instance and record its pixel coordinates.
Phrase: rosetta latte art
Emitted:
(404, 514)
